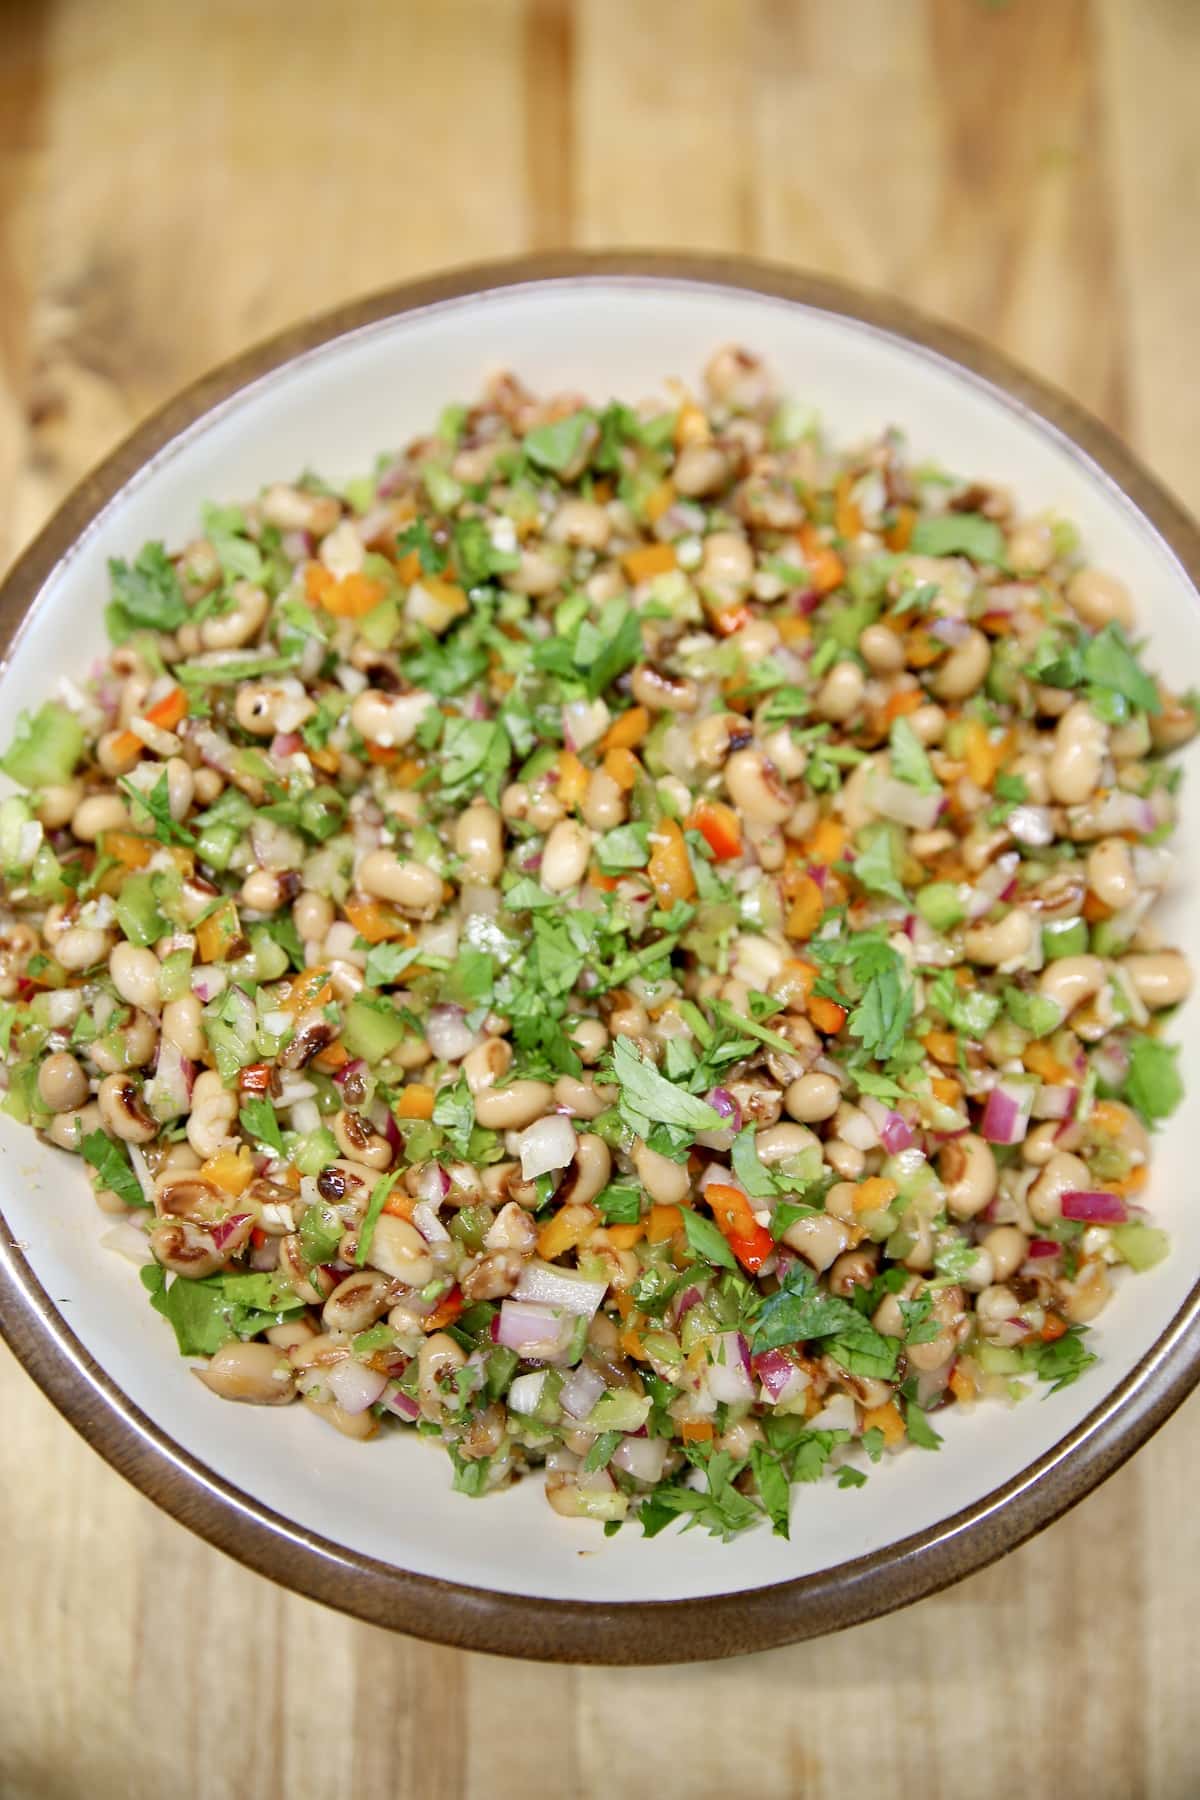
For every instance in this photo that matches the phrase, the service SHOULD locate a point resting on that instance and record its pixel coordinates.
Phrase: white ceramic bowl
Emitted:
(377, 1529)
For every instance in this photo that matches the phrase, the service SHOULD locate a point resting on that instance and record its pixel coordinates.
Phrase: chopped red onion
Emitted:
(354, 1386)
(1007, 1112)
(580, 1391)
(559, 1288)
(1094, 1208)
(1054, 1100)
(896, 1134)
(349, 1071)
(780, 1376)
(722, 1101)
(950, 630)
(286, 743)
(534, 1330)
(400, 1403)
(991, 884)
(433, 1184)
(428, 1224)
(237, 1226)
(1039, 1247)
(690, 1297)
(448, 1034)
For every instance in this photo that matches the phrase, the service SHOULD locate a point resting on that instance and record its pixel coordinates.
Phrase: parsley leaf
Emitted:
(705, 1240)
(1153, 1086)
(1109, 662)
(920, 1431)
(875, 864)
(649, 1099)
(258, 1120)
(239, 556)
(909, 760)
(773, 1488)
(375, 1206)
(1061, 1362)
(145, 596)
(113, 1169)
(559, 444)
(960, 534)
(474, 759)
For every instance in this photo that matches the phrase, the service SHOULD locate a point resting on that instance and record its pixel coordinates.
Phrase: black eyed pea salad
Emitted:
(621, 941)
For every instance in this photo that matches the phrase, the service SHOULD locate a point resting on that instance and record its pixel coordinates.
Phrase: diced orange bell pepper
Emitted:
(649, 560)
(624, 1237)
(750, 1242)
(806, 910)
(307, 991)
(375, 920)
(847, 519)
(658, 501)
(631, 1344)
(166, 713)
(1094, 909)
(793, 628)
(415, 1101)
(874, 1194)
(564, 1231)
(230, 1170)
(1040, 1059)
(899, 532)
(669, 868)
(961, 1384)
(127, 848)
(572, 781)
(885, 1418)
(826, 570)
(1053, 1328)
(691, 425)
(663, 1223)
(399, 1204)
(826, 842)
(408, 567)
(333, 1057)
(696, 1431)
(901, 703)
(623, 767)
(353, 596)
(728, 620)
(982, 755)
(255, 1078)
(446, 1311)
(220, 937)
(720, 828)
(826, 1014)
(627, 730)
(941, 1045)
(944, 1089)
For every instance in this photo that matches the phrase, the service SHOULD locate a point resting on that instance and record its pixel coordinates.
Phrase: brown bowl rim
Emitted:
(636, 1632)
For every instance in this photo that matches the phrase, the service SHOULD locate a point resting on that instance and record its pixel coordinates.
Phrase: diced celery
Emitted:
(315, 1151)
(1064, 937)
(17, 844)
(216, 844)
(137, 910)
(998, 1359)
(322, 812)
(1141, 1246)
(270, 960)
(602, 1503)
(620, 1409)
(940, 905)
(370, 1031)
(381, 624)
(46, 747)
(440, 485)
(175, 975)
(547, 1409)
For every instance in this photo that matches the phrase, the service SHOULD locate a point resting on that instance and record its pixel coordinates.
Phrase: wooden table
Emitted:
(174, 183)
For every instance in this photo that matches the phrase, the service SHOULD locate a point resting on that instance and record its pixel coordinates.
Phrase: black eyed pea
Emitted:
(294, 509)
(738, 380)
(57, 804)
(717, 735)
(295, 1331)
(255, 1373)
(1040, 1144)
(314, 1285)
(581, 1099)
(663, 693)
(438, 1358)
(1003, 945)
(700, 469)
(844, 1159)
(777, 1143)
(754, 787)
(1160, 978)
(855, 802)
(479, 841)
(68, 1129)
(494, 1276)
(266, 890)
(182, 1025)
(1175, 725)
(788, 756)
(184, 1248)
(512, 1229)
(258, 705)
(83, 947)
(538, 573)
(760, 1104)
(1110, 873)
(1080, 740)
(839, 1202)
(853, 1268)
(1070, 980)
(359, 1426)
(727, 566)
(819, 1239)
(962, 671)
(214, 1109)
(412, 886)
(514, 1107)
(358, 1140)
(881, 649)
(920, 1256)
(583, 523)
(135, 973)
(968, 1169)
(812, 1097)
(1007, 1247)
(949, 1312)
(358, 1301)
(1063, 1174)
(62, 1084)
(398, 1249)
(995, 1309)
(389, 720)
(98, 813)
(245, 618)
(929, 723)
(115, 754)
(209, 784)
(590, 1039)
(1088, 1294)
(543, 809)
(312, 915)
(604, 804)
(1098, 599)
(667, 1183)
(487, 1064)
(982, 1272)
(122, 1111)
(131, 1047)
(588, 1173)
(565, 856)
(840, 694)
(1031, 547)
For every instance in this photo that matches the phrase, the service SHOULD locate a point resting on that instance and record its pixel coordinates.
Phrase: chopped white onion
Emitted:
(641, 1457)
(584, 722)
(838, 1414)
(548, 1286)
(580, 1392)
(729, 1379)
(429, 1225)
(547, 1144)
(448, 1034)
(526, 1391)
(906, 804)
(354, 1386)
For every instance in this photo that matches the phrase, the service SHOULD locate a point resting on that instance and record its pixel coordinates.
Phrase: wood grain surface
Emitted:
(177, 181)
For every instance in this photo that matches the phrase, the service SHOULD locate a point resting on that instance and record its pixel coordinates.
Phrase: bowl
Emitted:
(376, 1530)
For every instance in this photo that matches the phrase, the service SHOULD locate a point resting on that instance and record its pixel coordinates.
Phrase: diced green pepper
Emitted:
(45, 748)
